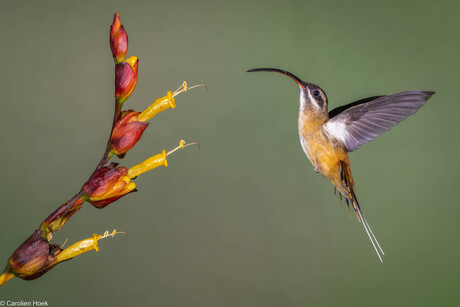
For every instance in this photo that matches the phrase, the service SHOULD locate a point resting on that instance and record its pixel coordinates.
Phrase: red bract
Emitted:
(125, 78)
(108, 184)
(127, 133)
(118, 40)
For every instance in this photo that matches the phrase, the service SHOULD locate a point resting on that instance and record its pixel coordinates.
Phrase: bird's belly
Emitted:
(323, 155)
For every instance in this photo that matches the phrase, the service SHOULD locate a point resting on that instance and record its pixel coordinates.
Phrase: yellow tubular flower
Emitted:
(147, 165)
(155, 161)
(83, 246)
(158, 106)
(165, 102)
(36, 256)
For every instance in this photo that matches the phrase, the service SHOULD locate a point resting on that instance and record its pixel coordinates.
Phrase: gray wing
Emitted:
(362, 123)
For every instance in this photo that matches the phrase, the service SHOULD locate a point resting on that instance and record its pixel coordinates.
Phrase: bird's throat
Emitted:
(310, 122)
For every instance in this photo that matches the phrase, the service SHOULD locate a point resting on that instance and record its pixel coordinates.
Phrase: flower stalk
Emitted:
(108, 182)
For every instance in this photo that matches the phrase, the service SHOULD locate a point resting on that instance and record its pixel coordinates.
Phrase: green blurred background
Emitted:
(245, 221)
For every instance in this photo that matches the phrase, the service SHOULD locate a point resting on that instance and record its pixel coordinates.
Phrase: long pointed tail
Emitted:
(367, 228)
(347, 187)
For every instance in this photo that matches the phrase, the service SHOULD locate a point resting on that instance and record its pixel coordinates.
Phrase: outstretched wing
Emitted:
(358, 123)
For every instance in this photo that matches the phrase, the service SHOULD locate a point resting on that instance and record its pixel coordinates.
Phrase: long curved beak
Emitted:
(283, 72)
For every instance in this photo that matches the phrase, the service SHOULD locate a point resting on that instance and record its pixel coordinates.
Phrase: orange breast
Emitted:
(324, 152)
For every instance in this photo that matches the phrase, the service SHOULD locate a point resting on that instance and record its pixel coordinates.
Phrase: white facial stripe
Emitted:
(313, 100)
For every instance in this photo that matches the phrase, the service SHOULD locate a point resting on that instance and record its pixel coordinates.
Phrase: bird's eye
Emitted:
(315, 93)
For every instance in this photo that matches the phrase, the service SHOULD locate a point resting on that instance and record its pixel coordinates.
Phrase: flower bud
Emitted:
(34, 257)
(118, 40)
(125, 78)
(126, 133)
(108, 184)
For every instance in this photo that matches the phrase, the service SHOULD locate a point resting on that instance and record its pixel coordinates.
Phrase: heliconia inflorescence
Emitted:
(108, 182)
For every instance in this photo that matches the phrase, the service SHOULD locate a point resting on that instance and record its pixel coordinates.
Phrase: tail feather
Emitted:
(347, 182)
(368, 229)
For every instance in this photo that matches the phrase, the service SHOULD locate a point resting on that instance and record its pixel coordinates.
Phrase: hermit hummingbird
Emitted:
(327, 138)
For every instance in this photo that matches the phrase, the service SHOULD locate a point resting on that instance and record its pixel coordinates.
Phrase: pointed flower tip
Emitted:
(116, 23)
(118, 39)
(133, 62)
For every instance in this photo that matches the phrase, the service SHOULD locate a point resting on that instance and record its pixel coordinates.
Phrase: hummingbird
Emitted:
(328, 137)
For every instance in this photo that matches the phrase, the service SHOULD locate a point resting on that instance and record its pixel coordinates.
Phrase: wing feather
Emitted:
(362, 121)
